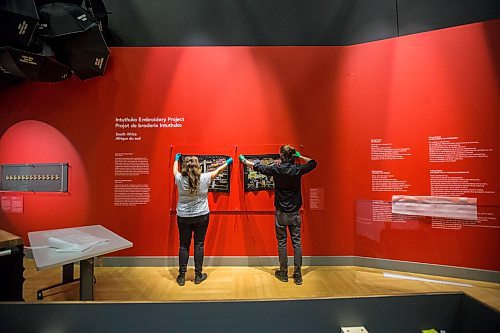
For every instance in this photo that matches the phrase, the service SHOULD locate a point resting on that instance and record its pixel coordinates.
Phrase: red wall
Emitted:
(409, 91)
(329, 101)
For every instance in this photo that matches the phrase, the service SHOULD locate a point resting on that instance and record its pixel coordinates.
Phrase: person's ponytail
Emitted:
(192, 170)
(194, 181)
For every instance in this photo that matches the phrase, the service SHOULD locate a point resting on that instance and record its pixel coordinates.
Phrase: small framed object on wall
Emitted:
(255, 181)
(36, 177)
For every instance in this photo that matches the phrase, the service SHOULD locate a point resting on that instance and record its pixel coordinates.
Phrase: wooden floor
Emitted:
(245, 283)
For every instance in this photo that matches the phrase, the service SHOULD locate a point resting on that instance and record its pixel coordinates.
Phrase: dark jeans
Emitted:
(187, 226)
(292, 222)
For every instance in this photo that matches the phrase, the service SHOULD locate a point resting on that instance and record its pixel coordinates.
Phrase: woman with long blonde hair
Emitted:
(193, 213)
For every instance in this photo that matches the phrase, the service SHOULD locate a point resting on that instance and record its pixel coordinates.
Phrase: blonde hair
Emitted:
(192, 170)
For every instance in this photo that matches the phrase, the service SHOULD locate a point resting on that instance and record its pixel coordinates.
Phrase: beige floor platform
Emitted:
(247, 283)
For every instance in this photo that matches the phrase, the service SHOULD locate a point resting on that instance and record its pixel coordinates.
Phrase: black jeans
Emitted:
(187, 227)
(292, 222)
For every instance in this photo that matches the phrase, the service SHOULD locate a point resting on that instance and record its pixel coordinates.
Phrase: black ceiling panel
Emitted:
(249, 22)
(426, 15)
(284, 22)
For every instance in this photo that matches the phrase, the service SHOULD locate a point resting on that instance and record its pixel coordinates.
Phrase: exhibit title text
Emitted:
(148, 122)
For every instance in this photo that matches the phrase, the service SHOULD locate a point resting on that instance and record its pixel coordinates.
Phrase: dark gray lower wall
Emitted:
(478, 317)
(377, 314)
(451, 312)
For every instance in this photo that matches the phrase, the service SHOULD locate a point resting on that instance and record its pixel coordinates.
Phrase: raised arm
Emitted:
(308, 166)
(176, 164)
(246, 162)
(214, 173)
(303, 158)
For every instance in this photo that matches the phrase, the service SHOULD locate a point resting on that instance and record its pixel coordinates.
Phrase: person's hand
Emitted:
(229, 161)
(297, 154)
(178, 156)
(242, 158)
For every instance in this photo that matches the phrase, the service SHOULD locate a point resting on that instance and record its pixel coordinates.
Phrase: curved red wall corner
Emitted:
(32, 141)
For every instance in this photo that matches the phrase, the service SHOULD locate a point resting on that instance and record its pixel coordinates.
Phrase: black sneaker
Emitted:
(297, 279)
(282, 276)
(181, 280)
(200, 278)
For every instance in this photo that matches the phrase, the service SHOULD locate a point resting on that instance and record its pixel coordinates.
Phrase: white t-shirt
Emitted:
(190, 206)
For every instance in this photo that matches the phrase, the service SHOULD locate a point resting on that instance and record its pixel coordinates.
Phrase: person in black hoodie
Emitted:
(287, 201)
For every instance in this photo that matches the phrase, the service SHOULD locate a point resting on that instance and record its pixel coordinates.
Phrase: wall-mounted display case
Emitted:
(36, 177)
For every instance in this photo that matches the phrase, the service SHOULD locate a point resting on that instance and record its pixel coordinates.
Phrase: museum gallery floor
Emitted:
(249, 283)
